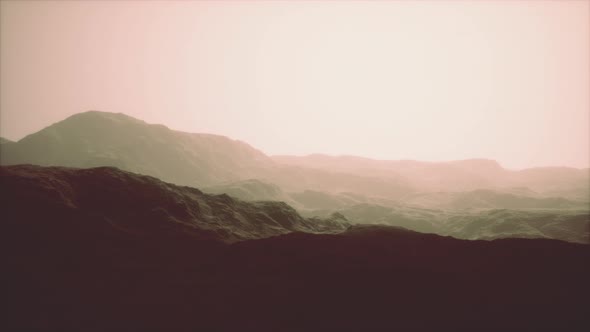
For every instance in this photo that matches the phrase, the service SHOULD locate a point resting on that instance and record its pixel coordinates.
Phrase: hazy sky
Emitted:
(506, 80)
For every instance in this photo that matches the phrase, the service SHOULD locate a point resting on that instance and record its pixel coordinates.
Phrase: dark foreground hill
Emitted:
(144, 206)
(82, 251)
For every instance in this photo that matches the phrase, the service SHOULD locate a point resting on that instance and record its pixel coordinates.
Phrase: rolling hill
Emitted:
(142, 205)
(103, 249)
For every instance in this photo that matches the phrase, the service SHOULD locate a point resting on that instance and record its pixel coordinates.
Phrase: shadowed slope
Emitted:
(565, 225)
(366, 279)
(142, 205)
(103, 249)
(249, 190)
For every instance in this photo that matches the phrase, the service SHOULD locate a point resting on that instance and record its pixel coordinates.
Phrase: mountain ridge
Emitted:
(114, 139)
(144, 206)
(68, 274)
(95, 138)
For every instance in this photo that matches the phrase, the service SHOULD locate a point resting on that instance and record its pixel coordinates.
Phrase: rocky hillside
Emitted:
(111, 200)
(104, 249)
(249, 190)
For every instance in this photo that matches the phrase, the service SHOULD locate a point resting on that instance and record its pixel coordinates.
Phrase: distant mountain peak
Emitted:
(93, 115)
(96, 138)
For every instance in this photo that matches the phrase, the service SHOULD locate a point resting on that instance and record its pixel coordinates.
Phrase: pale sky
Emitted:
(432, 81)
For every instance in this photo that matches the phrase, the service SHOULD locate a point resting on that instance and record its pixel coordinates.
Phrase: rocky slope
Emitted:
(110, 199)
(103, 249)
(249, 190)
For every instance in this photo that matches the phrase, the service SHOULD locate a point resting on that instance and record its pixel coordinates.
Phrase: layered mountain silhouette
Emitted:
(567, 225)
(110, 223)
(105, 249)
(476, 214)
(490, 199)
(462, 175)
(423, 196)
(95, 138)
(572, 225)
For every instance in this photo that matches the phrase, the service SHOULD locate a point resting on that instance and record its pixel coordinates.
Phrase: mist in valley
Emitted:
(295, 166)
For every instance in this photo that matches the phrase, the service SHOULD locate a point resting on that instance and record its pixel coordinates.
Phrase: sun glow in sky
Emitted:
(440, 80)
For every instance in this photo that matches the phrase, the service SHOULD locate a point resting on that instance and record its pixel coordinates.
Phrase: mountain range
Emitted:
(426, 196)
(95, 138)
(105, 249)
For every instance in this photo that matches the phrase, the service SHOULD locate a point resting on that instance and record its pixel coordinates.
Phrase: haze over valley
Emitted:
(445, 198)
(295, 166)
